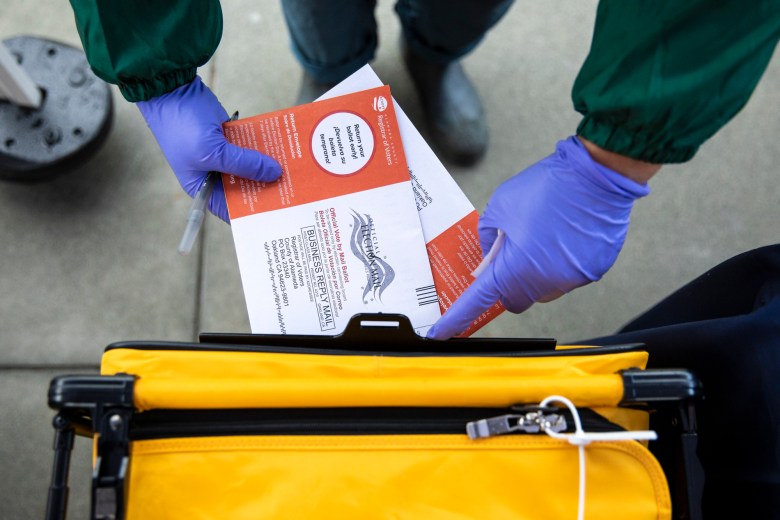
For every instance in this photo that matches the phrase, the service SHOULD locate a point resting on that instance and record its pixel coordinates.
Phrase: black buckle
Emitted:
(101, 406)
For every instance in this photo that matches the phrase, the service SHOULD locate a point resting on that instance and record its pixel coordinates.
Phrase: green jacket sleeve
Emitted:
(663, 76)
(148, 47)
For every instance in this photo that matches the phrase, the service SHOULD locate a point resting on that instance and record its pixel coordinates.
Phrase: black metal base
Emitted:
(72, 122)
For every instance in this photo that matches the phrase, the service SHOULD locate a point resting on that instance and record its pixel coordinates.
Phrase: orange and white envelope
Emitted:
(339, 234)
(448, 218)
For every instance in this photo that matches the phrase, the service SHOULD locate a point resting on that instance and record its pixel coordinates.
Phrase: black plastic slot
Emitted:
(371, 332)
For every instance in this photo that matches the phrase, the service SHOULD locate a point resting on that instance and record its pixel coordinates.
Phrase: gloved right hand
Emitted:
(564, 218)
(187, 123)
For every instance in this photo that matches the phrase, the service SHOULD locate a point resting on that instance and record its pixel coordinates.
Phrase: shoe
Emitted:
(452, 107)
(311, 89)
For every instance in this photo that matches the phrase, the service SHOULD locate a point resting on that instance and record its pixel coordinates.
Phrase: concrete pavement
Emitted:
(90, 258)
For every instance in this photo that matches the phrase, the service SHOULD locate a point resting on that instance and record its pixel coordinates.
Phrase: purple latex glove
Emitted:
(187, 123)
(565, 219)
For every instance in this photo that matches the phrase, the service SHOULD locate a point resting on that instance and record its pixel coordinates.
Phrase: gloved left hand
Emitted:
(187, 123)
(564, 218)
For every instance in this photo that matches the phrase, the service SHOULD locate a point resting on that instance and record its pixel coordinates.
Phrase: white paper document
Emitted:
(448, 218)
(339, 234)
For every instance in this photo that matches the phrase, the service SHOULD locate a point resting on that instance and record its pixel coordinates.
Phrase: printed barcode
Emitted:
(426, 295)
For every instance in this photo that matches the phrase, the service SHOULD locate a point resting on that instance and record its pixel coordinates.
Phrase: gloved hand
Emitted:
(187, 123)
(565, 219)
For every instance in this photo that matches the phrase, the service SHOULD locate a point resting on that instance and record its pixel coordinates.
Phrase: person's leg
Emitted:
(436, 35)
(443, 31)
(331, 40)
(725, 327)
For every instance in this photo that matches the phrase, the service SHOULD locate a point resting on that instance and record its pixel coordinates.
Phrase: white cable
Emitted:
(580, 438)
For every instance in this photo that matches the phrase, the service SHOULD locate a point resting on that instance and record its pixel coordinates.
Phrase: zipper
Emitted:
(474, 422)
(535, 420)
